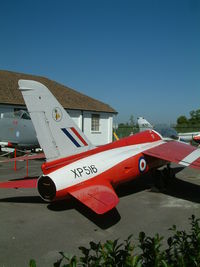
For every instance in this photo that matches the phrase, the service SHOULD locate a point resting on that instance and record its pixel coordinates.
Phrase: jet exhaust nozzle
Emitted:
(46, 188)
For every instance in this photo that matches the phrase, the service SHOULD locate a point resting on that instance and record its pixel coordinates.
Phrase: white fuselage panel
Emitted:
(91, 166)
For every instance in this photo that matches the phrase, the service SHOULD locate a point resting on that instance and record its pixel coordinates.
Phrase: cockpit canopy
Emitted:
(166, 132)
(20, 114)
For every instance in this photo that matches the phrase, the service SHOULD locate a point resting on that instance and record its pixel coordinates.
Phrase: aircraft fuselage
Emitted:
(115, 163)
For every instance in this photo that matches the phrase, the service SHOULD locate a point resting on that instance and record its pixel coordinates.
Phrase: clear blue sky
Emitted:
(142, 57)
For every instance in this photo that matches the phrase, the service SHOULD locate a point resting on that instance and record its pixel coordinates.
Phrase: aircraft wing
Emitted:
(99, 197)
(176, 152)
(20, 183)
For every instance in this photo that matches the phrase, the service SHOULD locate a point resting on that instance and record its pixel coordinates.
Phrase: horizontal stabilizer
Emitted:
(99, 197)
(176, 152)
(22, 183)
(25, 157)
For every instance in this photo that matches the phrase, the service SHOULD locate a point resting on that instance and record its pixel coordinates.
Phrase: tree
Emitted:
(191, 124)
(195, 116)
(182, 120)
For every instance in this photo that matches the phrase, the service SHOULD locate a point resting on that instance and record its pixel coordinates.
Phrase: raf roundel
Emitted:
(142, 164)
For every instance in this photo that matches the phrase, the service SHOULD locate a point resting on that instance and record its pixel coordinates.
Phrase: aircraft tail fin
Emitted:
(144, 124)
(57, 133)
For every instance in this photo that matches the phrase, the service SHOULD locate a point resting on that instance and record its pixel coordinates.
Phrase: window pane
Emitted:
(95, 122)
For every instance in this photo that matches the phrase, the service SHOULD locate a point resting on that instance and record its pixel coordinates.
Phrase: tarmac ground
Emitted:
(33, 229)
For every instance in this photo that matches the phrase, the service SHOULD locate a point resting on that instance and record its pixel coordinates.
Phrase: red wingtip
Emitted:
(10, 144)
(23, 183)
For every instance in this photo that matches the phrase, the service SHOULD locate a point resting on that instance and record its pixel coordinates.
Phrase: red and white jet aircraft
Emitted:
(196, 138)
(76, 168)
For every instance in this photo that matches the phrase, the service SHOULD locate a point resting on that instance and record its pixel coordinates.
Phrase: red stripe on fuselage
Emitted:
(136, 139)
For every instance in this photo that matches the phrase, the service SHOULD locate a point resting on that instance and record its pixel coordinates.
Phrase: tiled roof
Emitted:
(69, 98)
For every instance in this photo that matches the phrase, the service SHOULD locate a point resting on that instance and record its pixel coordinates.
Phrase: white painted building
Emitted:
(93, 117)
(97, 126)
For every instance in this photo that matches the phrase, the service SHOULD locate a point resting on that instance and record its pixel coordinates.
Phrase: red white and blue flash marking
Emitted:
(74, 136)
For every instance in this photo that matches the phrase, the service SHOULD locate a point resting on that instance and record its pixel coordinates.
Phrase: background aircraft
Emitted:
(143, 124)
(75, 168)
(196, 138)
(166, 132)
(17, 130)
(169, 132)
(189, 137)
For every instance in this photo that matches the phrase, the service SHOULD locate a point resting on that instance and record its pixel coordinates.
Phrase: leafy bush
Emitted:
(182, 250)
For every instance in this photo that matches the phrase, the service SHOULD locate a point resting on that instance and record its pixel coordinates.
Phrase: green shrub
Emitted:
(182, 250)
